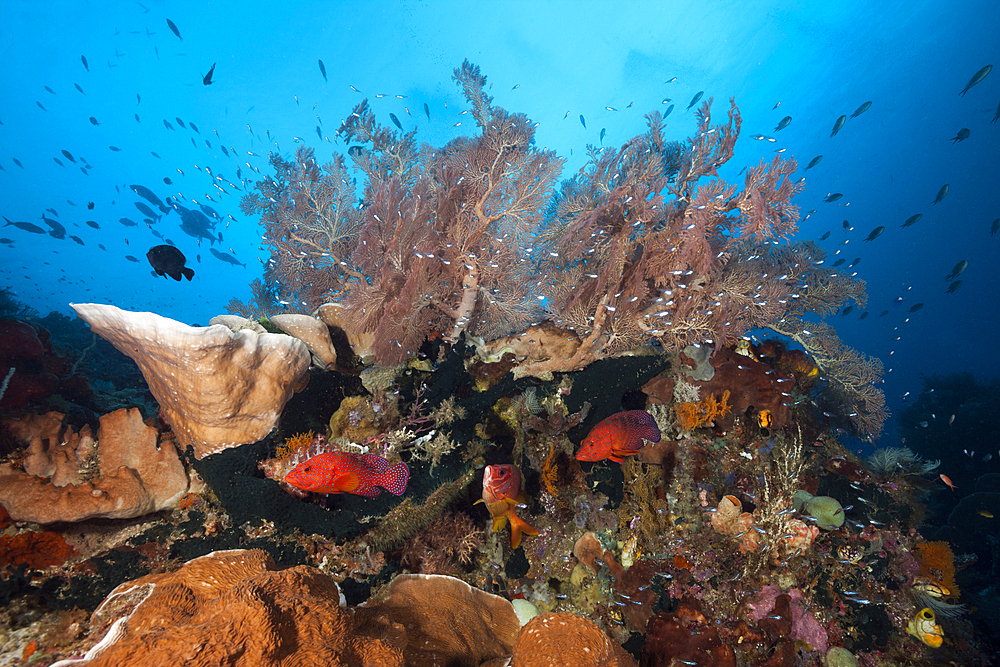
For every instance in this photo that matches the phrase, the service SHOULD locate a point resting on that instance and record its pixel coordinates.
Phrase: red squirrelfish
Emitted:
(346, 472)
(619, 435)
(501, 493)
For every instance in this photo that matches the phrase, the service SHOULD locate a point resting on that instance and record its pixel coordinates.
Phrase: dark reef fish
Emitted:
(976, 78)
(695, 99)
(912, 220)
(837, 125)
(226, 257)
(58, 231)
(954, 286)
(915, 307)
(83, 59)
(145, 210)
(26, 226)
(667, 112)
(962, 135)
(395, 121)
(783, 123)
(93, 121)
(942, 193)
(957, 271)
(322, 70)
(861, 109)
(77, 86)
(148, 195)
(180, 122)
(174, 29)
(131, 259)
(167, 124)
(875, 233)
(813, 162)
(833, 196)
(207, 79)
(167, 260)
(128, 222)
(583, 122)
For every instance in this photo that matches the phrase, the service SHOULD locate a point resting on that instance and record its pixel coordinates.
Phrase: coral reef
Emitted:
(467, 317)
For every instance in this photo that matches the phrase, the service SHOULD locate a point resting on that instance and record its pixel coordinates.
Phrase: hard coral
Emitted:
(126, 473)
(217, 389)
(447, 621)
(565, 640)
(234, 608)
(313, 332)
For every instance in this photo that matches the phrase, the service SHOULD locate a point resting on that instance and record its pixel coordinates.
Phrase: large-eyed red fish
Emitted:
(501, 493)
(618, 436)
(347, 472)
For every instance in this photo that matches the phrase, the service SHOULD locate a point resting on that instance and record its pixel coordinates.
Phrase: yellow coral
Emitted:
(695, 415)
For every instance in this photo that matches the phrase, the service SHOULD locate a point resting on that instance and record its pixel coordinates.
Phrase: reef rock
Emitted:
(217, 389)
(67, 476)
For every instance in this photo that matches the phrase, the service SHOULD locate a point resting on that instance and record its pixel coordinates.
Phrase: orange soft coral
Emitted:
(294, 443)
(937, 562)
(36, 550)
(695, 415)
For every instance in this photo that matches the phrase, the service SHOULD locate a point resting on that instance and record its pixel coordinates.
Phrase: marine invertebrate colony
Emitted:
(471, 238)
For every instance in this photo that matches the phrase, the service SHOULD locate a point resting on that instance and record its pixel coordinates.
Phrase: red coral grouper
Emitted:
(501, 493)
(619, 435)
(345, 472)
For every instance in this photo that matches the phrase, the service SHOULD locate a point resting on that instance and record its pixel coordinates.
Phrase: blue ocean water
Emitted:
(554, 61)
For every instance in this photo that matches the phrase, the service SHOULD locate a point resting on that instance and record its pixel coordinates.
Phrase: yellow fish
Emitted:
(985, 513)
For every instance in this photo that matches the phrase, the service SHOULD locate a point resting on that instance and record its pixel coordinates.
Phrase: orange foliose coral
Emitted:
(937, 562)
(695, 415)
